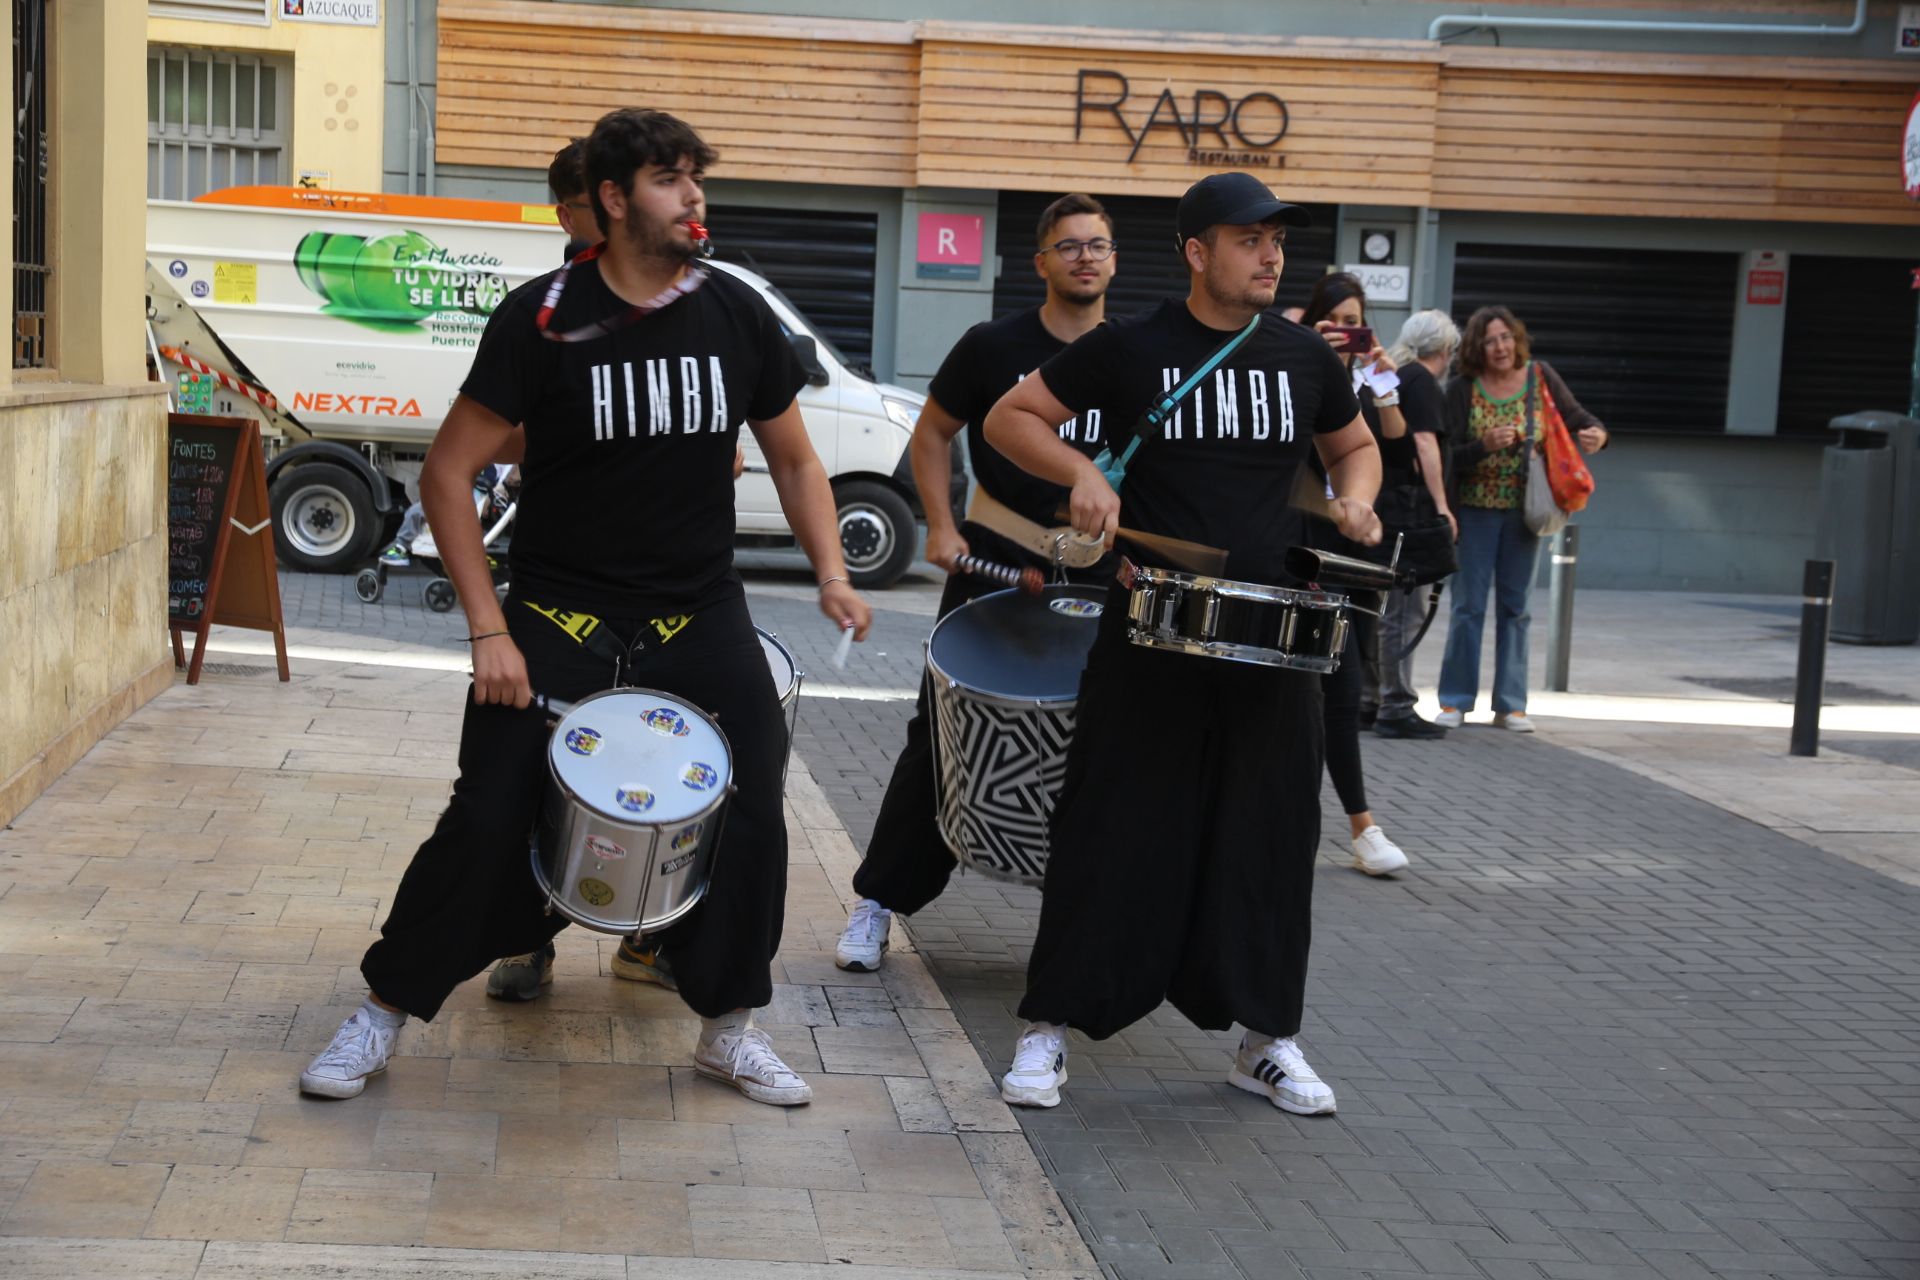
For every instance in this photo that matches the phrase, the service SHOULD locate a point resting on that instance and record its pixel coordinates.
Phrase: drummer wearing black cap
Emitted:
(1185, 833)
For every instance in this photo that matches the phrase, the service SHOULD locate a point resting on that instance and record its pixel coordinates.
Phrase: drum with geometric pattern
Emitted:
(1005, 674)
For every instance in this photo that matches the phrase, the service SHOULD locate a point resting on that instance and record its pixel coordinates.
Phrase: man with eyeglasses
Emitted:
(907, 863)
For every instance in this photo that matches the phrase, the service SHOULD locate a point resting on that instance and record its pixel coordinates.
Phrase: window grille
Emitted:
(214, 119)
(32, 263)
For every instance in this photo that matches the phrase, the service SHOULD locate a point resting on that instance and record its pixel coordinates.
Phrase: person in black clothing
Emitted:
(1420, 356)
(523, 977)
(632, 370)
(1339, 303)
(907, 863)
(1185, 833)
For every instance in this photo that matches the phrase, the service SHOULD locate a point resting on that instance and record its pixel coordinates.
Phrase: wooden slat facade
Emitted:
(988, 106)
(787, 100)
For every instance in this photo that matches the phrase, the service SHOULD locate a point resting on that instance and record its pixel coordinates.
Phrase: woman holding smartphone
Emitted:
(1493, 412)
(1337, 310)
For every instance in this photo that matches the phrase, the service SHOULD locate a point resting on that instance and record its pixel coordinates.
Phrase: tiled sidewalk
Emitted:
(180, 929)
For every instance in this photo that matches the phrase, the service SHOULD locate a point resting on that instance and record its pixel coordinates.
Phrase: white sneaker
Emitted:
(744, 1058)
(1515, 720)
(1278, 1071)
(360, 1049)
(1039, 1067)
(864, 943)
(1376, 855)
(1450, 718)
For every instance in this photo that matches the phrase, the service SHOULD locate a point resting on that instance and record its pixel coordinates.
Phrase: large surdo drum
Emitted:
(1005, 674)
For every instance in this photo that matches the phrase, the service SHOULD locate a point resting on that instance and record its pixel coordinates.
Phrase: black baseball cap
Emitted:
(1232, 200)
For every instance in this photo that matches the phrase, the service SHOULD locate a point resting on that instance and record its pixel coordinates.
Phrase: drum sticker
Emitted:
(676, 864)
(634, 798)
(583, 741)
(665, 720)
(701, 777)
(1076, 608)
(598, 893)
(604, 849)
(689, 838)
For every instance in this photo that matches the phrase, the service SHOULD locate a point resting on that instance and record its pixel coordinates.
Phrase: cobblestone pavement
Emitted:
(1599, 1029)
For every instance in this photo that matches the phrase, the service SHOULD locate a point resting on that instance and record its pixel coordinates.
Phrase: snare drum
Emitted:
(639, 787)
(1005, 674)
(787, 678)
(1237, 621)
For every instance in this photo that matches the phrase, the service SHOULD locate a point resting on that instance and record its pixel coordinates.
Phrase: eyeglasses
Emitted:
(1073, 250)
(1499, 340)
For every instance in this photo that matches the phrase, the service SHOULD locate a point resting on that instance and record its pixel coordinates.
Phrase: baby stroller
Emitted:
(495, 499)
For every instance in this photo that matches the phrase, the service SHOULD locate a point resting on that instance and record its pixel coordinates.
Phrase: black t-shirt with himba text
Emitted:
(626, 505)
(1221, 470)
(983, 366)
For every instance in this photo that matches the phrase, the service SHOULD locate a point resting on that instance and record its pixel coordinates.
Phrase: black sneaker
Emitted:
(1408, 727)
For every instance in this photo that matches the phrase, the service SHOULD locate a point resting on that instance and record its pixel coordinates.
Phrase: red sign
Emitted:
(1766, 288)
(950, 246)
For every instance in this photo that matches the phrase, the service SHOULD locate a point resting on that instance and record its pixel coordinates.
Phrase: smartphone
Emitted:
(1359, 339)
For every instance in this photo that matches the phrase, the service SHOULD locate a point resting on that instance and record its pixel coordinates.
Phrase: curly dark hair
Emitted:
(1473, 340)
(624, 142)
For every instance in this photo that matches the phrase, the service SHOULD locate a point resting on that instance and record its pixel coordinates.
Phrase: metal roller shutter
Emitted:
(1643, 337)
(1150, 269)
(823, 261)
(1848, 342)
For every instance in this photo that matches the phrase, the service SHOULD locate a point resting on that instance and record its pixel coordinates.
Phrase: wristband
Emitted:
(484, 635)
(1386, 402)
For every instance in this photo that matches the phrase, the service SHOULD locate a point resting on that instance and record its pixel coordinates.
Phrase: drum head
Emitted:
(1013, 645)
(780, 662)
(639, 756)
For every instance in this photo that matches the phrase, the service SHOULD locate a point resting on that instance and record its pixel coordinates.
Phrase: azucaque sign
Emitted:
(1247, 129)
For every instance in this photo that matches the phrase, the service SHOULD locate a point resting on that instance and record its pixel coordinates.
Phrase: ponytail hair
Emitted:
(1425, 333)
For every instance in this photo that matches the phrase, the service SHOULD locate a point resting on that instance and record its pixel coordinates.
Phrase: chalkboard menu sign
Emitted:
(220, 562)
(200, 458)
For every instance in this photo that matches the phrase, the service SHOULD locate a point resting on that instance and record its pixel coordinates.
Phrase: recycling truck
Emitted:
(345, 322)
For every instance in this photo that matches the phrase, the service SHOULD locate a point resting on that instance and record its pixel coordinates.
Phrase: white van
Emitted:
(346, 321)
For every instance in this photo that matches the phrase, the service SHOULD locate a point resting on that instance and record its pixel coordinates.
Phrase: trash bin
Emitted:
(1870, 527)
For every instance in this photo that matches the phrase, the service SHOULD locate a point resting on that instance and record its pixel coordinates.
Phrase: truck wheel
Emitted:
(877, 532)
(323, 519)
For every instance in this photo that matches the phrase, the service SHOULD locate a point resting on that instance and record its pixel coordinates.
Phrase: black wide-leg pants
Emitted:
(908, 863)
(1183, 844)
(469, 896)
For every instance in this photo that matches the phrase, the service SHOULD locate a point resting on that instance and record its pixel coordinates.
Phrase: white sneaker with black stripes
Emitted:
(1277, 1070)
(1039, 1067)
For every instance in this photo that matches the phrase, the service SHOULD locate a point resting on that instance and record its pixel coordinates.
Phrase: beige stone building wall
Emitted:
(83, 554)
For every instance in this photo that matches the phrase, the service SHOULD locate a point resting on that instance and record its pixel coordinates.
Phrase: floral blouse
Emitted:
(1498, 482)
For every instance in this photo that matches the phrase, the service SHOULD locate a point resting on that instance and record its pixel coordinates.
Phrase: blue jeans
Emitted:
(1496, 548)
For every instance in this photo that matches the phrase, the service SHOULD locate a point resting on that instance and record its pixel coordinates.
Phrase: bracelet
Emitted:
(484, 635)
(1386, 402)
(830, 581)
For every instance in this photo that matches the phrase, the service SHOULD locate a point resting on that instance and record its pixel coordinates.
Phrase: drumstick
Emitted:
(841, 650)
(1194, 557)
(1027, 580)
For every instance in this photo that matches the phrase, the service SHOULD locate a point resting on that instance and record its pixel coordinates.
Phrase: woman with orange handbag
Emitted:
(1495, 408)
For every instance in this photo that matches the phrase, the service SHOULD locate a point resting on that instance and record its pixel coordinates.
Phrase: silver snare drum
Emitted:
(639, 787)
(1005, 675)
(1236, 621)
(787, 679)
